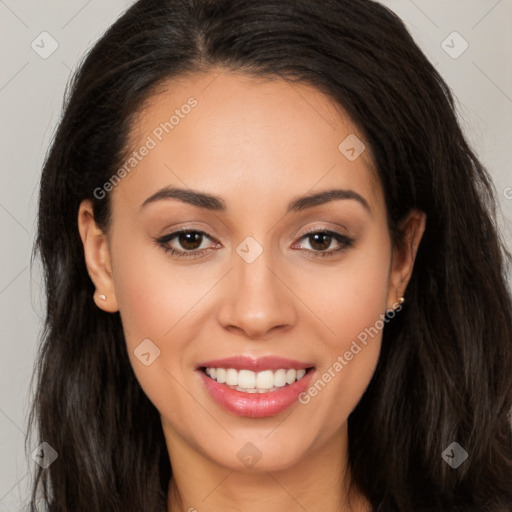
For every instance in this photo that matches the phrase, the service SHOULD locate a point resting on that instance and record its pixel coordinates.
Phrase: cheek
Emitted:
(152, 294)
(350, 296)
(158, 301)
(154, 299)
(141, 291)
(352, 303)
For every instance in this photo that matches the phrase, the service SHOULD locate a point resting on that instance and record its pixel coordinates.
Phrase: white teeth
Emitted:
(246, 390)
(291, 376)
(255, 382)
(246, 379)
(265, 379)
(280, 378)
(221, 375)
(231, 377)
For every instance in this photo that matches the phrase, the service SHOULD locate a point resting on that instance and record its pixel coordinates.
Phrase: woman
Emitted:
(273, 275)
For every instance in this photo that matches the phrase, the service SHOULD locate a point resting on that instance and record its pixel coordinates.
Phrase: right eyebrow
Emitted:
(193, 197)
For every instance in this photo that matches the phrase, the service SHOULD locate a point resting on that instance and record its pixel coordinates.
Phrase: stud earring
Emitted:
(102, 297)
(400, 301)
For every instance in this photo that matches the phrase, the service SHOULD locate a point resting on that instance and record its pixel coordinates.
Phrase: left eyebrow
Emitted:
(308, 201)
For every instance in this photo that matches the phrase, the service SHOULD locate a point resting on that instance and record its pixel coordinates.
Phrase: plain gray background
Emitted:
(31, 92)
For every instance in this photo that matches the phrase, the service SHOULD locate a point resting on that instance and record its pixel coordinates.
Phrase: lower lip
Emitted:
(256, 405)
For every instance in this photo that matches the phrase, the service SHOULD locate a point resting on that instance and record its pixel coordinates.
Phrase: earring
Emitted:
(102, 297)
(400, 300)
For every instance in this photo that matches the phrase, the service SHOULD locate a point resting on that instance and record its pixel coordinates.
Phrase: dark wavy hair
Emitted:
(444, 373)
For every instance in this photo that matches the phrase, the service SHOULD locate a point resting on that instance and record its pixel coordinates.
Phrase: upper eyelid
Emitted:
(178, 232)
(339, 237)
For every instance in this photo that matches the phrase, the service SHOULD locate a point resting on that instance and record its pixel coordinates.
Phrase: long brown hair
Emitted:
(445, 369)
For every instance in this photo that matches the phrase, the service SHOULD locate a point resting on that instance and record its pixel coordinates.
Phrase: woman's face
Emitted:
(253, 279)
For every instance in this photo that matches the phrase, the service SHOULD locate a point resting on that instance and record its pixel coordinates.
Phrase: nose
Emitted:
(256, 299)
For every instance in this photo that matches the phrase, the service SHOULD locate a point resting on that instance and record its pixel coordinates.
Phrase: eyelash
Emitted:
(162, 242)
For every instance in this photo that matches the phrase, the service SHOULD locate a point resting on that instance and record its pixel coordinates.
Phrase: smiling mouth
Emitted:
(247, 381)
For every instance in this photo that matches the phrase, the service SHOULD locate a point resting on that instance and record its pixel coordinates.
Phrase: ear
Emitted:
(403, 257)
(97, 257)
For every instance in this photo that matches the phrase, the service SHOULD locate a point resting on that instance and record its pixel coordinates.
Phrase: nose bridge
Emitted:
(256, 279)
(257, 300)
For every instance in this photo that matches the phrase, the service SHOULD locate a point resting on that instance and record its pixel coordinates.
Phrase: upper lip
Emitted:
(255, 364)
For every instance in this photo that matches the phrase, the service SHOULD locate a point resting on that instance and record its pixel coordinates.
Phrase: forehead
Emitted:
(234, 134)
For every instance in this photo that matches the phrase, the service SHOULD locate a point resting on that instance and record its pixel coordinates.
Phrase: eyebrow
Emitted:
(214, 203)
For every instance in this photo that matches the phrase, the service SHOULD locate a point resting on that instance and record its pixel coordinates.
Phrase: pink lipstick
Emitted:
(255, 387)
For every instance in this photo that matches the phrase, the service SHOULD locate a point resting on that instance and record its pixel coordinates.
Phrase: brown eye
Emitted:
(190, 240)
(320, 241)
(323, 243)
(187, 243)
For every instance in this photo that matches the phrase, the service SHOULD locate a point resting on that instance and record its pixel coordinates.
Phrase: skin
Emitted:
(257, 144)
